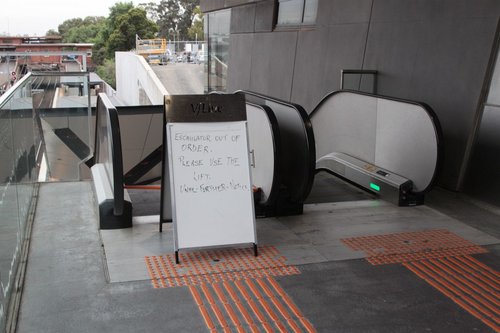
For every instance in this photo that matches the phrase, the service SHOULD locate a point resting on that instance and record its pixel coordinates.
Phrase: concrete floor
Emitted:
(311, 238)
(80, 279)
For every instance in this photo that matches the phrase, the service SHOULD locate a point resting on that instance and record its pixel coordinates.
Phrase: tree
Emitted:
(52, 32)
(195, 31)
(102, 56)
(172, 16)
(187, 16)
(118, 9)
(127, 26)
(68, 25)
(87, 32)
(107, 72)
(165, 14)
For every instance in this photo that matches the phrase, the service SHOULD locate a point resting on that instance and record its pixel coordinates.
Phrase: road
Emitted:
(181, 78)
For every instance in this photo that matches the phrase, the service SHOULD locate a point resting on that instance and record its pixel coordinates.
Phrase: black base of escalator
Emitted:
(282, 206)
(107, 219)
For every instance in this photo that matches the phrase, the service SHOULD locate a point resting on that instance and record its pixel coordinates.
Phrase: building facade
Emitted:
(442, 53)
(44, 44)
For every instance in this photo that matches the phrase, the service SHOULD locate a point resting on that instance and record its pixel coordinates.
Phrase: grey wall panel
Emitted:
(483, 174)
(311, 78)
(405, 10)
(335, 12)
(243, 19)
(240, 61)
(211, 5)
(264, 16)
(494, 92)
(438, 60)
(321, 55)
(233, 3)
(483, 178)
(273, 56)
(426, 50)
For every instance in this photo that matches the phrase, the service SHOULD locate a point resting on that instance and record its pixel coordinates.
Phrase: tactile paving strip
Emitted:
(249, 305)
(411, 246)
(442, 259)
(214, 266)
(469, 283)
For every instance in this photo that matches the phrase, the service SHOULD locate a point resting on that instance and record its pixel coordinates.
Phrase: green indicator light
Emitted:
(375, 187)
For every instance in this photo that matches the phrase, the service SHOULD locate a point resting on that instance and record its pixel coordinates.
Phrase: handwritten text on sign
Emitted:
(211, 160)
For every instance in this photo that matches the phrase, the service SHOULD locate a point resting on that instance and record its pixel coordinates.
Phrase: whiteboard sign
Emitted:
(210, 186)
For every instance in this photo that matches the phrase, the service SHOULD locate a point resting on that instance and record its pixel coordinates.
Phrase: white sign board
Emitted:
(212, 200)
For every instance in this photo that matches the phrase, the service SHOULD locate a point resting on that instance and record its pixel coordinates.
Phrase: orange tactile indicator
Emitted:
(443, 260)
(411, 246)
(234, 290)
(469, 283)
(212, 266)
(249, 305)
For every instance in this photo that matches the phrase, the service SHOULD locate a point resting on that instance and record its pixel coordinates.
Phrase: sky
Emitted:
(36, 17)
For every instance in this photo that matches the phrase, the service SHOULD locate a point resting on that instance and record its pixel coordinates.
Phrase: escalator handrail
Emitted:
(113, 127)
(310, 142)
(273, 193)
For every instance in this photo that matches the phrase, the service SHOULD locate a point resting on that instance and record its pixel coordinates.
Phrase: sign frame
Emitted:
(198, 115)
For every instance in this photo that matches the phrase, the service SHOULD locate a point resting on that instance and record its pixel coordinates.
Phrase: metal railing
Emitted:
(44, 123)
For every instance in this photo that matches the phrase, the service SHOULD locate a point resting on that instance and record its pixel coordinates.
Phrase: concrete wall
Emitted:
(482, 180)
(210, 5)
(430, 51)
(136, 83)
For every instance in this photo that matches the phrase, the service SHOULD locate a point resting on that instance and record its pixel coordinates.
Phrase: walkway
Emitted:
(181, 78)
(311, 275)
